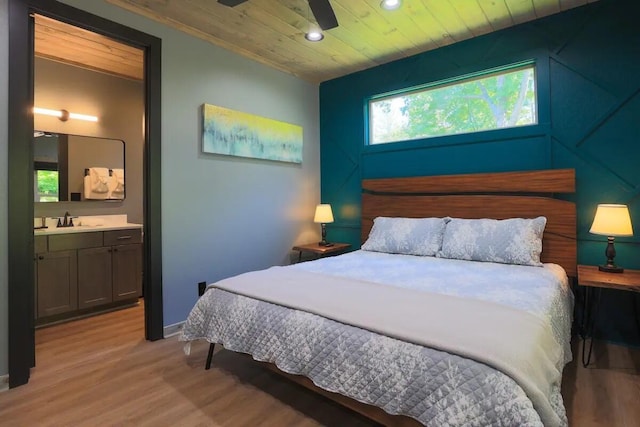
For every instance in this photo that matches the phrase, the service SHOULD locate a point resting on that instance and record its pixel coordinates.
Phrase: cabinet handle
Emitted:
(40, 257)
(115, 250)
(123, 238)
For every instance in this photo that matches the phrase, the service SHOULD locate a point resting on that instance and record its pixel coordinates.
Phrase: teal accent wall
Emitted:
(588, 71)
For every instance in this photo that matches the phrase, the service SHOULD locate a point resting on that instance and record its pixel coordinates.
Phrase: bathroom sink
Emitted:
(86, 224)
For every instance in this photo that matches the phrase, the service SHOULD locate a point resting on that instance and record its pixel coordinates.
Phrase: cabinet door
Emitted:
(94, 277)
(57, 274)
(127, 272)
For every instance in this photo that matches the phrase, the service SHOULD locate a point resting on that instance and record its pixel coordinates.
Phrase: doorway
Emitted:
(21, 172)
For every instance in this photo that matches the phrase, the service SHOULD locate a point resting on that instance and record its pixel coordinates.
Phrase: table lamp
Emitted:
(611, 221)
(323, 216)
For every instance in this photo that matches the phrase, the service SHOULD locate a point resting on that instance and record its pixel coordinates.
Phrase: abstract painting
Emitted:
(235, 133)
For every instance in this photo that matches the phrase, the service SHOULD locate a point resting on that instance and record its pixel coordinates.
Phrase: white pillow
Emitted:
(408, 236)
(507, 241)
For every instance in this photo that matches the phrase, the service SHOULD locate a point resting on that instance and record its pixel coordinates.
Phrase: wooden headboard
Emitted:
(487, 195)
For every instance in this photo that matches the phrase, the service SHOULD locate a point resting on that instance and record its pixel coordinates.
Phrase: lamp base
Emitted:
(610, 269)
(324, 242)
(610, 253)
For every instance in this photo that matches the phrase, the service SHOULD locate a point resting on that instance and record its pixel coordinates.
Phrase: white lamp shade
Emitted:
(612, 220)
(323, 214)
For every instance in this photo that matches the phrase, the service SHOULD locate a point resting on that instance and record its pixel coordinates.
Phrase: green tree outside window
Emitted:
(47, 184)
(501, 100)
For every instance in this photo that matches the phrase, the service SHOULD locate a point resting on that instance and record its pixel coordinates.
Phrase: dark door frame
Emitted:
(20, 155)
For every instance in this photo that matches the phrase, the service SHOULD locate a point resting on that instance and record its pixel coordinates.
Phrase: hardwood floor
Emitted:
(101, 372)
(607, 392)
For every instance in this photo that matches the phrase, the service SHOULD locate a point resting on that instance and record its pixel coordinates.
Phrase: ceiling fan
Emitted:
(321, 9)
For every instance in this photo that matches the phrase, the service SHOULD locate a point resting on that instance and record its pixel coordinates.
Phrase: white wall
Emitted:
(220, 215)
(4, 179)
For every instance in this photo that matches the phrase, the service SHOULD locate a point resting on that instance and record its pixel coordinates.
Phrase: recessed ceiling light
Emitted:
(314, 36)
(390, 4)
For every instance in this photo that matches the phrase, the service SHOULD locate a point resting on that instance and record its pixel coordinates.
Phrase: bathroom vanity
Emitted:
(84, 269)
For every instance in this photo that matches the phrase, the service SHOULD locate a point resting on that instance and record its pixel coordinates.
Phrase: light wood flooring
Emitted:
(101, 372)
(607, 392)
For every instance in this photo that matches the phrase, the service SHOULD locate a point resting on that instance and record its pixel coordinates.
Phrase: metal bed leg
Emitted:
(212, 346)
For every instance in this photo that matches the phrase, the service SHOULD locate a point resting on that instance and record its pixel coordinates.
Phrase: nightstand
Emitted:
(595, 280)
(321, 251)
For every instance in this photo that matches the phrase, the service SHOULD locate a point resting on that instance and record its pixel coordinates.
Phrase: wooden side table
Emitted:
(321, 251)
(595, 280)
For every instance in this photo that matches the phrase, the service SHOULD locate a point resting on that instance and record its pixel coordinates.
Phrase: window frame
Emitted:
(540, 66)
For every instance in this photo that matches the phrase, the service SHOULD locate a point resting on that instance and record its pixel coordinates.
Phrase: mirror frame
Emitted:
(64, 171)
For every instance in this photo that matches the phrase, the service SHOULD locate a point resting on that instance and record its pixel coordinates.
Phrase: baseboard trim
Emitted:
(4, 383)
(172, 330)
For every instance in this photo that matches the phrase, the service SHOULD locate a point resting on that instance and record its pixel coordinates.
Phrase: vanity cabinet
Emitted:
(39, 247)
(40, 244)
(94, 277)
(127, 271)
(57, 290)
(126, 262)
(113, 272)
(77, 273)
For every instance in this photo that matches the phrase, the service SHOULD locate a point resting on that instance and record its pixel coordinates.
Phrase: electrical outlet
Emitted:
(202, 286)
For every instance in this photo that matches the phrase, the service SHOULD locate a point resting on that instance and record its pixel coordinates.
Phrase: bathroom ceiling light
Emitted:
(390, 4)
(314, 36)
(64, 115)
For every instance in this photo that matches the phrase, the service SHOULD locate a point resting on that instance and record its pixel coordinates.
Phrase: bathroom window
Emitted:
(46, 182)
(492, 99)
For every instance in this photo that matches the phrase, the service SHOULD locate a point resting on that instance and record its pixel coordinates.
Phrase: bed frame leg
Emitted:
(212, 346)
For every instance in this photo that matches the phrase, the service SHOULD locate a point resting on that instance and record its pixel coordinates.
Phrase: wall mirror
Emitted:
(62, 161)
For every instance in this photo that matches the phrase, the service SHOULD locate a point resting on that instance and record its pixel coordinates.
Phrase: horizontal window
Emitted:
(487, 101)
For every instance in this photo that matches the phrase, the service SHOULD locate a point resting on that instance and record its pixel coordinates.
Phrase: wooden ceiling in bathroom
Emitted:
(72, 45)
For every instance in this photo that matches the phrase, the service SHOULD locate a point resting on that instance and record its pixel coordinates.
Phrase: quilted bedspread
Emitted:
(432, 386)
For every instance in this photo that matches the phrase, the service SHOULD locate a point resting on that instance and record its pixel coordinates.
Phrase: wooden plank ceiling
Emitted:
(72, 45)
(272, 31)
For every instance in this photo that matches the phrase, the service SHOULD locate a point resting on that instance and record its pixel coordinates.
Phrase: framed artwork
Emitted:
(234, 133)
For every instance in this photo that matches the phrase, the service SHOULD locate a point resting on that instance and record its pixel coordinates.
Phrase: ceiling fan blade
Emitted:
(231, 3)
(323, 13)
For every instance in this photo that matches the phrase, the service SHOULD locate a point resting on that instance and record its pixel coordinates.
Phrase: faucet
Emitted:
(68, 221)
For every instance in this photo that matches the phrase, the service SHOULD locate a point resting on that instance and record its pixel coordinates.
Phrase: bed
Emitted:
(448, 332)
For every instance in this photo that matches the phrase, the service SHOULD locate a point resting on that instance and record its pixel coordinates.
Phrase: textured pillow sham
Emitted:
(407, 236)
(507, 241)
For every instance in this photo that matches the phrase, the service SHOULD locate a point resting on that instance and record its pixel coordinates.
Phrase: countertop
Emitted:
(84, 229)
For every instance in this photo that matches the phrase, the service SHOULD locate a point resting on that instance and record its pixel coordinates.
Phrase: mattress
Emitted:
(430, 385)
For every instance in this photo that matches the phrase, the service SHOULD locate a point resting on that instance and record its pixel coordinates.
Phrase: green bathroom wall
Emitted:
(588, 74)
